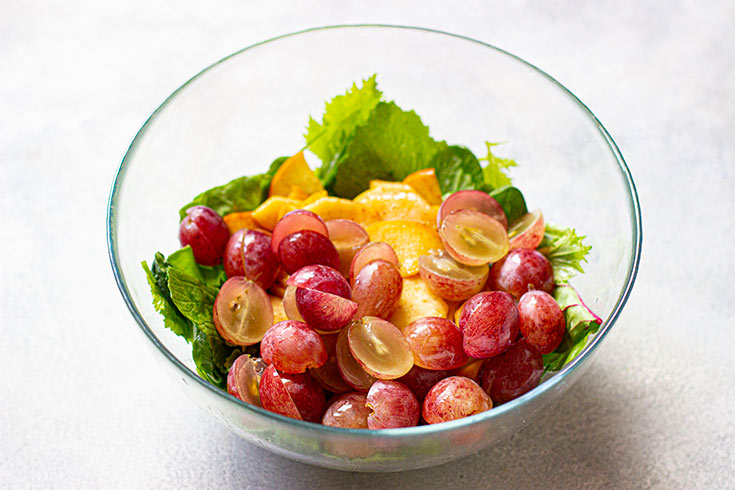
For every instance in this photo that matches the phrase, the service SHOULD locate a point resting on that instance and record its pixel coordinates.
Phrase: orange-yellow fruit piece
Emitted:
(329, 208)
(471, 369)
(238, 221)
(397, 204)
(272, 209)
(417, 301)
(279, 286)
(386, 185)
(294, 172)
(279, 314)
(409, 239)
(458, 313)
(297, 193)
(313, 197)
(425, 184)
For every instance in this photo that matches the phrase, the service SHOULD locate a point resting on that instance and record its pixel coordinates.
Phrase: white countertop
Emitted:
(83, 404)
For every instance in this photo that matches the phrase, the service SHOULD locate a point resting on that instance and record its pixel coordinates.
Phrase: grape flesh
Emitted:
(471, 199)
(490, 324)
(293, 347)
(542, 321)
(304, 248)
(436, 343)
(243, 379)
(328, 375)
(473, 238)
(450, 279)
(379, 347)
(520, 271)
(368, 253)
(350, 370)
(454, 398)
(392, 406)
(377, 289)
(348, 411)
(206, 233)
(242, 312)
(513, 373)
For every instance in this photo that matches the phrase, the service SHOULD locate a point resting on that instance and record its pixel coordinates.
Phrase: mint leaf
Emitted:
(565, 250)
(457, 169)
(392, 144)
(213, 357)
(183, 260)
(495, 172)
(172, 319)
(342, 115)
(193, 298)
(581, 323)
(241, 194)
(511, 200)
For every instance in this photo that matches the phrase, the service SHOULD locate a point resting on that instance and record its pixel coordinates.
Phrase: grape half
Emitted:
(527, 231)
(450, 279)
(298, 220)
(328, 374)
(242, 311)
(377, 289)
(473, 238)
(350, 370)
(436, 343)
(379, 347)
(292, 347)
(471, 199)
(243, 379)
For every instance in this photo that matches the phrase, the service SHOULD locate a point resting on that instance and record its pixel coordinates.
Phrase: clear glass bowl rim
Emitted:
(409, 431)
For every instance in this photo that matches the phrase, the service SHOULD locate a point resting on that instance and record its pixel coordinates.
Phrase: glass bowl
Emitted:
(236, 116)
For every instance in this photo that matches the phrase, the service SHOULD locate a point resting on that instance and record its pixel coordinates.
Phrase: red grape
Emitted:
(243, 379)
(377, 289)
(232, 259)
(368, 253)
(393, 406)
(292, 347)
(470, 199)
(521, 270)
(293, 395)
(348, 237)
(259, 263)
(513, 373)
(242, 311)
(348, 411)
(350, 370)
(421, 380)
(289, 304)
(489, 324)
(304, 248)
(436, 343)
(328, 374)
(450, 279)
(473, 238)
(527, 231)
(454, 398)
(275, 397)
(324, 311)
(206, 233)
(379, 347)
(542, 321)
(321, 278)
(298, 220)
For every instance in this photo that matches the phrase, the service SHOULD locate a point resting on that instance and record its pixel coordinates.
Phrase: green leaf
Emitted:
(183, 260)
(511, 200)
(457, 169)
(581, 324)
(275, 165)
(213, 357)
(241, 194)
(565, 250)
(392, 144)
(495, 172)
(193, 298)
(342, 115)
(172, 319)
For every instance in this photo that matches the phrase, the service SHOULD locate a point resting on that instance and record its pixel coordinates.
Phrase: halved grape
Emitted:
(206, 233)
(513, 373)
(436, 343)
(348, 411)
(292, 347)
(454, 398)
(242, 311)
(324, 311)
(368, 253)
(450, 279)
(527, 231)
(348, 237)
(259, 263)
(321, 278)
(243, 379)
(470, 199)
(328, 374)
(473, 238)
(350, 370)
(304, 248)
(520, 271)
(298, 220)
(274, 396)
(379, 347)
(289, 304)
(377, 289)
(293, 395)
(421, 380)
(393, 406)
(542, 321)
(490, 324)
(232, 259)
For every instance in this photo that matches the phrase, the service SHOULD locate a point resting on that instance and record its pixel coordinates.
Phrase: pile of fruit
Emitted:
(378, 312)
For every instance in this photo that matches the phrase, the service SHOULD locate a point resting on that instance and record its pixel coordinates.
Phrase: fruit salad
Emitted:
(402, 282)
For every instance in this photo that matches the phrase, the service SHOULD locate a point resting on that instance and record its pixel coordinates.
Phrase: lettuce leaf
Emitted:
(511, 200)
(457, 169)
(565, 250)
(495, 172)
(342, 115)
(581, 323)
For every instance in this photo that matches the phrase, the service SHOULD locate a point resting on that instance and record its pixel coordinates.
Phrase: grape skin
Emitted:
(392, 406)
(490, 323)
(513, 373)
(206, 233)
(542, 321)
(304, 248)
(454, 398)
(436, 343)
(292, 347)
(377, 289)
(520, 271)
(348, 411)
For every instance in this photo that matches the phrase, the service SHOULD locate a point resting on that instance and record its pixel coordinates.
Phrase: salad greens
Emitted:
(359, 138)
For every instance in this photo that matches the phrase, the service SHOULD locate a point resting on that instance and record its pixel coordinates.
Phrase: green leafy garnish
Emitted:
(565, 250)
(581, 323)
(342, 115)
(457, 169)
(494, 172)
(193, 298)
(512, 201)
(172, 319)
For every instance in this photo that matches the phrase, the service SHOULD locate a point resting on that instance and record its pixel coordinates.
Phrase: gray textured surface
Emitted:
(82, 403)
